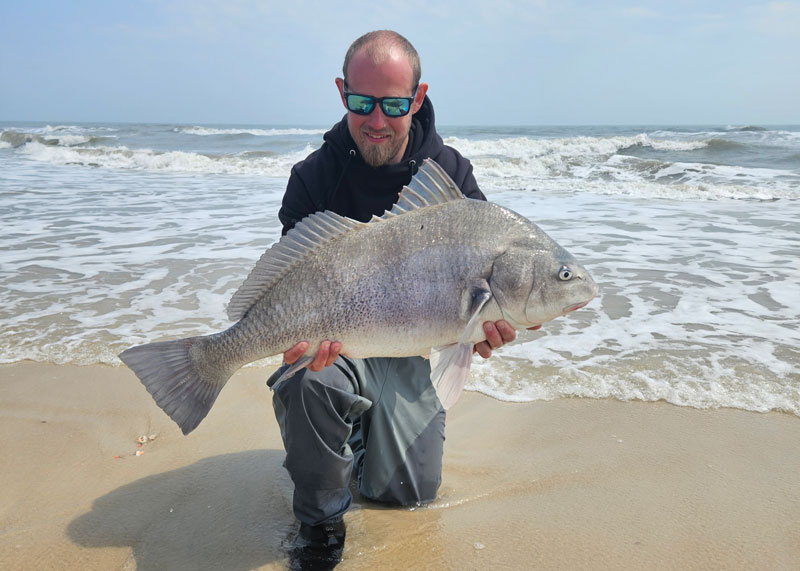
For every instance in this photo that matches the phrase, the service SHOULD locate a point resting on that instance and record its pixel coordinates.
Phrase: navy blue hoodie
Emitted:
(336, 178)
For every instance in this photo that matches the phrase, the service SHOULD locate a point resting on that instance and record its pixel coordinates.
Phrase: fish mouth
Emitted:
(571, 308)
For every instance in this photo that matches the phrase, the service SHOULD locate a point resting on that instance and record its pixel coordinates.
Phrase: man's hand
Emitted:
(497, 334)
(326, 355)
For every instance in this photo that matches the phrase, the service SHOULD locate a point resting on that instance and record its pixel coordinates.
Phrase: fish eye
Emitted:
(564, 274)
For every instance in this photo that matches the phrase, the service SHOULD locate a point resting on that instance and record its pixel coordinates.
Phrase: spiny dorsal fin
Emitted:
(431, 185)
(306, 237)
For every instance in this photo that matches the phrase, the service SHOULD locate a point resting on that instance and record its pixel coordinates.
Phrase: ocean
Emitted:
(119, 234)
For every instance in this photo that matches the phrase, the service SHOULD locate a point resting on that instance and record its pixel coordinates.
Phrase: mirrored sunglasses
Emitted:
(391, 106)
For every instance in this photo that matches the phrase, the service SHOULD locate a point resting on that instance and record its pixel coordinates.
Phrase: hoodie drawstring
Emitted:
(412, 166)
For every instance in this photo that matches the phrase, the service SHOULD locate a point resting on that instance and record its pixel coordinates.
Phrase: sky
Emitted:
(534, 62)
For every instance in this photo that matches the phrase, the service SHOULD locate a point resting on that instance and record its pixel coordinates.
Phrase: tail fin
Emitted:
(167, 371)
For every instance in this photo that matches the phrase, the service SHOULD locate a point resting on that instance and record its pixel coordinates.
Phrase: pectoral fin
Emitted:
(480, 296)
(450, 364)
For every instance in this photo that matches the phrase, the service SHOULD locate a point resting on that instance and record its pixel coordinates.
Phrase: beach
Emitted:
(565, 484)
(656, 428)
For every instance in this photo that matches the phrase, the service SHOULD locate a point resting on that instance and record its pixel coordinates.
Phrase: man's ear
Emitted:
(340, 86)
(421, 91)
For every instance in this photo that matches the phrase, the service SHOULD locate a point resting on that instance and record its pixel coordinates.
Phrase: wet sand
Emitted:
(567, 484)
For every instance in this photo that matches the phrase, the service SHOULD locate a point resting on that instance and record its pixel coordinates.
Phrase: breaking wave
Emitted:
(172, 161)
(17, 139)
(747, 129)
(675, 164)
(602, 165)
(210, 131)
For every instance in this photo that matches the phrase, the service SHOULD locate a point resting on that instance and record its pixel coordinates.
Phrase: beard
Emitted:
(379, 155)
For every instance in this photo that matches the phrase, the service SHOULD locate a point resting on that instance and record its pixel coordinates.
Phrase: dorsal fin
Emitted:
(431, 185)
(309, 234)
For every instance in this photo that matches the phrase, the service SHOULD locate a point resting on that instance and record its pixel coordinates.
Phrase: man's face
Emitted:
(381, 139)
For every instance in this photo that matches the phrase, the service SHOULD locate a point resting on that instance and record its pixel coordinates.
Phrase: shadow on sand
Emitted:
(227, 512)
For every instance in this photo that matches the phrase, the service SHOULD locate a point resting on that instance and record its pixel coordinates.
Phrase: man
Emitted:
(378, 419)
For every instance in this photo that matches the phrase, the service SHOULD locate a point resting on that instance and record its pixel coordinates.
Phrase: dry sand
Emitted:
(569, 484)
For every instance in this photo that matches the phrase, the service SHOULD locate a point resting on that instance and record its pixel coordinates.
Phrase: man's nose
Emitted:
(377, 120)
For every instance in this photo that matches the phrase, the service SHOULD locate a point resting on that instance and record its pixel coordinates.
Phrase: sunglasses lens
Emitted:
(360, 104)
(396, 106)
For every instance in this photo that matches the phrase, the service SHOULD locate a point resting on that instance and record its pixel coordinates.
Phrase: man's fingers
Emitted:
(334, 353)
(483, 349)
(507, 333)
(327, 353)
(497, 333)
(295, 352)
(535, 327)
(321, 358)
(493, 338)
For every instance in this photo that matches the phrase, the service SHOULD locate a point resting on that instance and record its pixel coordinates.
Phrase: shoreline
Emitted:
(564, 484)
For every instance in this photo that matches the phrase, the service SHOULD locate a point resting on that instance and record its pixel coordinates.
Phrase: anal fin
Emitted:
(301, 363)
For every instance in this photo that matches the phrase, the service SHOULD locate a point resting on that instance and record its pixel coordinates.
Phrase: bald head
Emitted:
(379, 46)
